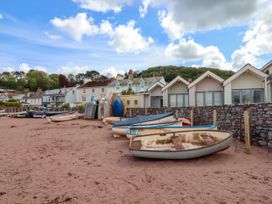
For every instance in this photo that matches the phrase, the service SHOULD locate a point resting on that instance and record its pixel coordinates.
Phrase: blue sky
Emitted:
(111, 36)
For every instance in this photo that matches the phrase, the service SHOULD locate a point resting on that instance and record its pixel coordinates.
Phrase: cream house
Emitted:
(248, 85)
(153, 97)
(206, 90)
(176, 94)
(267, 68)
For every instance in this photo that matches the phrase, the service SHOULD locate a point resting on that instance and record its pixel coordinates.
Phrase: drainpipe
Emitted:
(265, 90)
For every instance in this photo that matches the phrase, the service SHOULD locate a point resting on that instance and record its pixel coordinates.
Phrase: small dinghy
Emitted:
(180, 145)
(64, 117)
(134, 131)
(110, 120)
(117, 106)
(17, 114)
(2, 111)
(120, 128)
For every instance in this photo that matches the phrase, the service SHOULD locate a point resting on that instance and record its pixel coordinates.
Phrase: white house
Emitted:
(153, 97)
(206, 90)
(176, 94)
(60, 96)
(248, 85)
(96, 89)
(267, 68)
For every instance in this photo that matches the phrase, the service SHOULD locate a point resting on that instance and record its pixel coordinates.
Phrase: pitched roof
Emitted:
(178, 78)
(203, 76)
(148, 81)
(263, 69)
(97, 83)
(247, 67)
(154, 85)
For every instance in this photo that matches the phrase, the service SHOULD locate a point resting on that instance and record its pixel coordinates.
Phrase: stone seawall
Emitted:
(229, 118)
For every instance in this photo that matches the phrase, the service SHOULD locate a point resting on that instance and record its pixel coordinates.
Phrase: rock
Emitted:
(262, 143)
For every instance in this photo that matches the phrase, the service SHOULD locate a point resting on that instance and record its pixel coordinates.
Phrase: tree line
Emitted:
(34, 79)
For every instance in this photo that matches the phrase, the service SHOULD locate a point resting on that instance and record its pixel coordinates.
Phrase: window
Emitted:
(209, 98)
(178, 100)
(200, 99)
(83, 91)
(83, 98)
(102, 89)
(128, 102)
(135, 102)
(246, 96)
(93, 90)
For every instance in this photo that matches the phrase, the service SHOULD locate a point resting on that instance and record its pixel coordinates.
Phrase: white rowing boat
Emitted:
(180, 145)
(64, 117)
(110, 120)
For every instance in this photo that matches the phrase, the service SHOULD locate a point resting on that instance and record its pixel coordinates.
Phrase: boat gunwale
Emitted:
(145, 150)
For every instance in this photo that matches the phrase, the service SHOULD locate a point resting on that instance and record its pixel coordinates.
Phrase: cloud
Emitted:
(126, 38)
(53, 37)
(143, 7)
(76, 27)
(26, 68)
(73, 69)
(192, 51)
(257, 41)
(1, 16)
(101, 5)
(112, 72)
(189, 16)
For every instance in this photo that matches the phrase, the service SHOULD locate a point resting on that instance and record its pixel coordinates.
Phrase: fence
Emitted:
(228, 117)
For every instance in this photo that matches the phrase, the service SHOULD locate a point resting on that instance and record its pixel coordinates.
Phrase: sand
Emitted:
(80, 162)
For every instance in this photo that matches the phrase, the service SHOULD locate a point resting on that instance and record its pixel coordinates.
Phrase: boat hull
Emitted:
(63, 118)
(122, 130)
(153, 147)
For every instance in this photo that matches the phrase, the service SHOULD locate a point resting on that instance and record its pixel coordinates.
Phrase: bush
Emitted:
(13, 104)
(65, 106)
(80, 108)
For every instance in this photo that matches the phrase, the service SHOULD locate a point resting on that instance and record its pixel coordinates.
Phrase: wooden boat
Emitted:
(110, 120)
(3, 114)
(17, 114)
(64, 117)
(134, 131)
(121, 131)
(180, 145)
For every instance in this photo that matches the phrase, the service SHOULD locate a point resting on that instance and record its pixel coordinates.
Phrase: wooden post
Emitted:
(214, 117)
(247, 132)
(192, 117)
(145, 111)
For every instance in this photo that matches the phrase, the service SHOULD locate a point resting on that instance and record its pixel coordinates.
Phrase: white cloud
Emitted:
(73, 69)
(189, 16)
(101, 5)
(258, 41)
(26, 68)
(112, 72)
(76, 27)
(192, 51)
(126, 38)
(172, 29)
(1, 16)
(143, 7)
(53, 37)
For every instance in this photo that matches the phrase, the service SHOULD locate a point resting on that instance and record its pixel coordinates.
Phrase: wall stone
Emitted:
(229, 118)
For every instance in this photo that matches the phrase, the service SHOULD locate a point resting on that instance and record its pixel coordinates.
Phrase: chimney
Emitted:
(130, 74)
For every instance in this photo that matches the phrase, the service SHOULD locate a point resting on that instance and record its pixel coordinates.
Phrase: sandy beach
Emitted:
(80, 162)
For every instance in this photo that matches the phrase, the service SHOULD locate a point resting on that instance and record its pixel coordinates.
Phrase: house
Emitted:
(176, 93)
(267, 68)
(131, 101)
(206, 90)
(136, 85)
(58, 97)
(34, 99)
(153, 96)
(96, 89)
(248, 85)
(6, 94)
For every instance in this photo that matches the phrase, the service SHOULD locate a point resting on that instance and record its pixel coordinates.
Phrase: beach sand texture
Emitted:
(80, 162)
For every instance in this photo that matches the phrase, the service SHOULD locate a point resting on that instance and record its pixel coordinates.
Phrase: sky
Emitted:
(113, 36)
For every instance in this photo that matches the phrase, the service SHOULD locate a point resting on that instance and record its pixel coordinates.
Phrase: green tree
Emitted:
(37, 79)
(54, 81)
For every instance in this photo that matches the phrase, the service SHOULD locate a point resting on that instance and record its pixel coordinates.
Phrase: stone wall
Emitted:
(229, 118)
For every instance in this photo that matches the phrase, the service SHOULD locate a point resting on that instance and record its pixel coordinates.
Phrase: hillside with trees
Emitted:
(170, 72)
